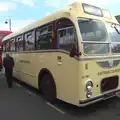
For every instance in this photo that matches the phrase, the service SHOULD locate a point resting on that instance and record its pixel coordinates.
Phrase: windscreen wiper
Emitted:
(114, 26)
(117, 30)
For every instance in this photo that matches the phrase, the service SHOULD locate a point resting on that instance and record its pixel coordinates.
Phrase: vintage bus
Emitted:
(69, 55)
(3, 33)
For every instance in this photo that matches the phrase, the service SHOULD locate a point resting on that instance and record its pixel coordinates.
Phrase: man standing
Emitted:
(8, 64)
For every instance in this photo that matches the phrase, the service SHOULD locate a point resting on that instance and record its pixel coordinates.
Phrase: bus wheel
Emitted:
(48, 88)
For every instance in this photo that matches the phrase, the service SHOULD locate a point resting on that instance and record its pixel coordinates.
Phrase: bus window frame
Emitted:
(94, 42)
(42, 27)
(74, 26)
(16, 39)
(10, 44)
(54, 29)
(106, 22)
(7, 41)
(4, 44)
(35, 29)
(24, 38)
(91, 13)
(58, 38)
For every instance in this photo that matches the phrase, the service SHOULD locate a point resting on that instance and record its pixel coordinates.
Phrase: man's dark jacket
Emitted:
(8, 62)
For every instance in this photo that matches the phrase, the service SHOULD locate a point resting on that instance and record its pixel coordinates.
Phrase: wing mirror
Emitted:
(73, 52)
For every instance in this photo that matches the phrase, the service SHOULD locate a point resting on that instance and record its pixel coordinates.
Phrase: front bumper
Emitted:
(104, 96)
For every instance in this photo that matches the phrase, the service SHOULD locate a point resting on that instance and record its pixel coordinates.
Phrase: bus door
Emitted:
(67, 66)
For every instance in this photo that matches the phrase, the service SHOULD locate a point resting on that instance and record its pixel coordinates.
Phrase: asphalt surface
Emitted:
(25, 103)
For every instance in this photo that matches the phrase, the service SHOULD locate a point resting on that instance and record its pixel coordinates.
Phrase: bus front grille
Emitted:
(109, 83)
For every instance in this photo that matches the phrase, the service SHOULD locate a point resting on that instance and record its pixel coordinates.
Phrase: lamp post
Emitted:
(8, 21)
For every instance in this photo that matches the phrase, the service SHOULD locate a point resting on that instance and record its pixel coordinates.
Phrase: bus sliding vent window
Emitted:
(109, 83)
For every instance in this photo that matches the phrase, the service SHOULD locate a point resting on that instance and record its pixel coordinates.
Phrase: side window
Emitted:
(29, 41)
(12, 45)
(66, 35)
(19, 43)
(44, 38)
(7, 46)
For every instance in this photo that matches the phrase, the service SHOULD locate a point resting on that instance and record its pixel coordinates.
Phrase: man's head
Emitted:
(7, 54)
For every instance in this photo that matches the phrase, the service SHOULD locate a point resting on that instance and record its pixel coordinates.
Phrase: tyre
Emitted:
(48, 88)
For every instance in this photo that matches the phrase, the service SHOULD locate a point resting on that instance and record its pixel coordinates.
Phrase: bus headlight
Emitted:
(89, 85)
(89, 94)
(89, 88)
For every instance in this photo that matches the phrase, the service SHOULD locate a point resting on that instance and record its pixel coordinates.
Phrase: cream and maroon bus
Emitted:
(72, 55)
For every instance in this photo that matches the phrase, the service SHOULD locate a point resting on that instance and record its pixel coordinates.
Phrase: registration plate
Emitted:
(109, 95)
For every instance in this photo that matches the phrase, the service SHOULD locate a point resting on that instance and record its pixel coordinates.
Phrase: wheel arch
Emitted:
(42, 72)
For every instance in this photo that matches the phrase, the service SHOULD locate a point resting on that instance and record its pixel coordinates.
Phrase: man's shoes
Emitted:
(9, 86)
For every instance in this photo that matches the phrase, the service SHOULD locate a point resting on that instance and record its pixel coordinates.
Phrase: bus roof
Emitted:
(65, 12)
(38, 23)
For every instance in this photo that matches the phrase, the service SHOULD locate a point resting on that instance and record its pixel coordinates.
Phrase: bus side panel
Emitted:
(26, 68)
(65, 73)
(16, 69)
(66, 78)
